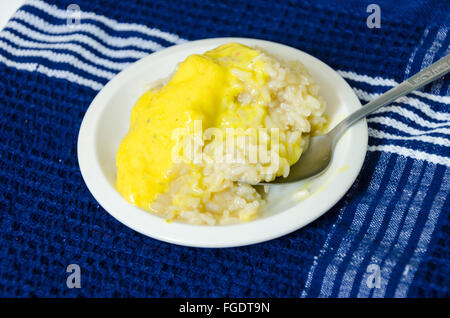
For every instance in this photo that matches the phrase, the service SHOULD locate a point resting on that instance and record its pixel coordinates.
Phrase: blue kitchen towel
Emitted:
(387, 237)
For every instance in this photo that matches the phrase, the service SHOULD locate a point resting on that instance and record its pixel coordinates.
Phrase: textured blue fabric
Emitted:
(396, 215)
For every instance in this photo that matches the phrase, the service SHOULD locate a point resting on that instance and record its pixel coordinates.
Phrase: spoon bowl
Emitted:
(313, 161)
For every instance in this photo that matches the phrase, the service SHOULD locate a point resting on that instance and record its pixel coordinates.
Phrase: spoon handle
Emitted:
(425, 76)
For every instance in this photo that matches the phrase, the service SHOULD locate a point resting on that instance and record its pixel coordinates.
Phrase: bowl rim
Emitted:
(255, 231)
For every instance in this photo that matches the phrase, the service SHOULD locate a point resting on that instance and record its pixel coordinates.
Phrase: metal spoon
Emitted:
(318, 155)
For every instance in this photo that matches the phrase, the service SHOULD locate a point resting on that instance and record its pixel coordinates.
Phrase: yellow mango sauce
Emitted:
(204, 87)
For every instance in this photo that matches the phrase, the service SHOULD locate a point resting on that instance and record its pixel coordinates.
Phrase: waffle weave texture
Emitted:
(395, 216)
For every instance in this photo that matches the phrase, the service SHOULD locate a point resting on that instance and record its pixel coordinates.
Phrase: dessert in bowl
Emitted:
(232, 102)
(283, 209)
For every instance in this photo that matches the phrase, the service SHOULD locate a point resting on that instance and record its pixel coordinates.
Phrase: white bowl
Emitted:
(107, 121)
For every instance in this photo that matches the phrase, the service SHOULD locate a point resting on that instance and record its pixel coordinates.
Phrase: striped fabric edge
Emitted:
(110, 23)
(341, 272)
(379, 81)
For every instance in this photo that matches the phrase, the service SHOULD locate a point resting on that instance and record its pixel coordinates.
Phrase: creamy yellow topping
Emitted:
(205, 87)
